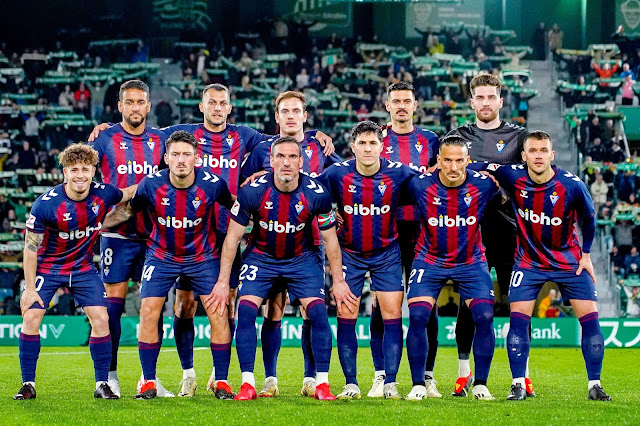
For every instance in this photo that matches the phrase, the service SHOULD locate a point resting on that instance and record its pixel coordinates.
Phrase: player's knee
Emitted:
(482, 313)
(186, 305)
(100, 323)
(418, 315)
(31, 322)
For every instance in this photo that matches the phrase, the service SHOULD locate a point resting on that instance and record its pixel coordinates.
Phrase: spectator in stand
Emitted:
(609, 132)
(10, 306)
(448, 310)
(97, 99)
(435, 46)
(81, 99)
(632, 263)
(555, 37)
(625, 185)
(595, 129)
(599, 191)
(65, 99)
(623, 236)
(132, 301)
(617, 155)
(626, 89)
(617, 260)
(598, 152)
(32, 129)
(627, 71)
(302, 79)
(540, 42)
(27, 157)
(606, 71)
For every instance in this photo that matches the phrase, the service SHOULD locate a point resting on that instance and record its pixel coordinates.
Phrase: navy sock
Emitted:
(232, 327)
(518, 343)
(184, 334)
(417, 344)
(246, 337)
(592, 345)
(100, 348)
(271, 337)
(115, 308)
(149, 358)
(348, 349)
(376, 331)
(320, 335)
(465, 330)
(307, 350)
(161, 328)
(432, 335)
(392, 344)
(221, 354)
(29, 346)
(484, 342)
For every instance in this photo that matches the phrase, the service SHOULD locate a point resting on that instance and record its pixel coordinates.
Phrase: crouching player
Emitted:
(181, 200)
(283, 205)
(62, 230)
(451, 204)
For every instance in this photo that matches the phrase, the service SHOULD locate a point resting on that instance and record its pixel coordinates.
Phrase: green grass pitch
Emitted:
(65, 393)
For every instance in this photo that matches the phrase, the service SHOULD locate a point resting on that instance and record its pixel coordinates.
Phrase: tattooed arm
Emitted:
(120, 214)
(30, 262)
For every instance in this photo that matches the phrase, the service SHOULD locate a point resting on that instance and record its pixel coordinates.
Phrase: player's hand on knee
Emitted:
(96, 131)
(218, 299)
(29, 297)
(343, 295)
(586, 264)
(253, 177)
(326, 142)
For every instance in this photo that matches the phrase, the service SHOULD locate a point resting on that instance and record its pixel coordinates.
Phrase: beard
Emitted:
(215, 121)
(134, 124)
(487, 119)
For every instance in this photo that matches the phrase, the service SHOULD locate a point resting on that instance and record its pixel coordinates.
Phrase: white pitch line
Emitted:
(87, 353)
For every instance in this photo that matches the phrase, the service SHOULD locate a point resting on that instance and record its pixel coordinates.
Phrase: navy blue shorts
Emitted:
(158, 276)
(526, 284)
(471, 281)
(385, 268)
(303, 275)
(87, 288)
(121, 259)
(185, 284)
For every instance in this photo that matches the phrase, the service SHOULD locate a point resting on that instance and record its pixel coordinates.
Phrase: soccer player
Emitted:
(451, 203)
(182, 243)
(417, 148)
(127, 152)
(291, 115)
(496, 141)
(283, 205)
(367, 191)
(549, 202)
(62, 230)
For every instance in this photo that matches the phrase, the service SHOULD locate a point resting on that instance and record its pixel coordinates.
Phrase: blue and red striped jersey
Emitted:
(450, 218)
(184, 220)
(222, 153)
(418, 150)
(70, 228)
(282, 221)
(546, 215)
(368, 204)
(124, 159)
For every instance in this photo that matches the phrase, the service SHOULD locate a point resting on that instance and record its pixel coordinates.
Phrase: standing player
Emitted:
(61, 232)
(549, 202)
(367, 191)
(451, 203)
(283, 205)
(417, 148)
(182, 243)
(290, 115)
(496, 141)
(127, 152)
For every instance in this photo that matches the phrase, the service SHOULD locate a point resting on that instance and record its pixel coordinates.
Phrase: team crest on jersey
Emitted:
(196, 203)
(419, 147)
(389, 150)
(468, 199)
(123, 145)
(500, 146)
(382, 187)
(352, 189)
(436, 201)
(229, 140)
(524, 194)
(309, 152)
(151, 144)
(299, 207)
(268, 205)
(95, 208)
(202, 141)
(66, 217)
(165, 201)
(554, 198)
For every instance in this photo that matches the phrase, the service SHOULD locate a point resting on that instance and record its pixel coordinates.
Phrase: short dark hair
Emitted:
(134, 84)
(484, 80)
(182, 136)
(401, 85)
(286, 139)
(453, 140)
(538, 135)
(366, 127)
(217, 87)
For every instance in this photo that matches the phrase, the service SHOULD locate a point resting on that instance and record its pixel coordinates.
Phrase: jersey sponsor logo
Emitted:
(541, 218)
(268, 205)
(217, 162)
(196, 203)
(133, 167)
(174, 222)
(500, 146)
(468, 199)
(235, 208)
(554, 198)
(421, 169)
(382, 187)
(281, 228)
(452, 222)
(80, 233)
(372, 210)
(66, 217)
(165, 201)
(299, 207)
(31, 221)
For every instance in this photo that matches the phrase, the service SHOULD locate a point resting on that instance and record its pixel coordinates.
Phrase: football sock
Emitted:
(592, 345)
(271, 337)
(432, 335)
(29, 347)
(307, 351)
(221, 354)
(184, 334)
(348, 348)
(485, 341)
(376, 331)
(232, 327)
(115, 308)
(417, 343)
(465, 330)
(246, 337)
(100, 348)
(320, 334)
(392, 344)
(518, 343)
(149, 358)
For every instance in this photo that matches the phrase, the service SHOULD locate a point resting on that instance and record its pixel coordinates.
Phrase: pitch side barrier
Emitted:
(562, 332)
